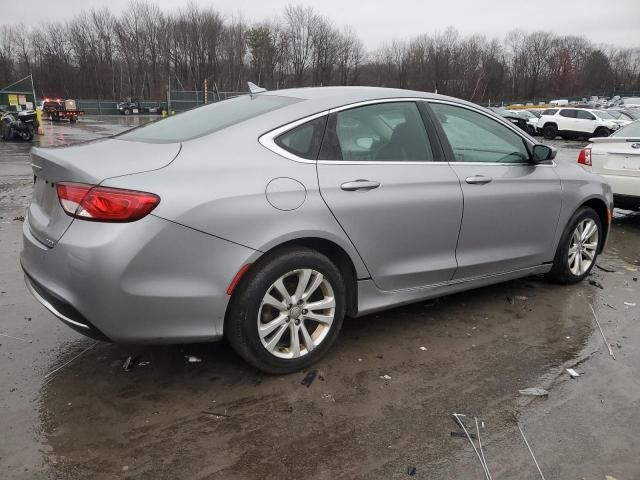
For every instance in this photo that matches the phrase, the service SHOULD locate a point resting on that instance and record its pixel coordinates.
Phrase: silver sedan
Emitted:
(268, 218)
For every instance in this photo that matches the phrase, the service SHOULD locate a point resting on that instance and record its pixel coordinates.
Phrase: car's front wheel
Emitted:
(287, 311)
(550, 132)
(579, 246)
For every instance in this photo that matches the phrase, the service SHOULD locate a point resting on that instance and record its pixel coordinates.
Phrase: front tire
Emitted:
(578, 248)
(287, 311)
(550, 132)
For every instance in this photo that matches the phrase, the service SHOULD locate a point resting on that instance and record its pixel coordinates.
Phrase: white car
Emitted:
(617, 159)
(575, 122)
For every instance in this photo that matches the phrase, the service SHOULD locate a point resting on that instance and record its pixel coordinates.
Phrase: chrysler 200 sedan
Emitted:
(268, 218)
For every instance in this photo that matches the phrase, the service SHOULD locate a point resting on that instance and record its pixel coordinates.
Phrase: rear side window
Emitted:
(568, 113)
(208, 119)
(384, 132)
(304, 141)
(584, 115)
(550, 111)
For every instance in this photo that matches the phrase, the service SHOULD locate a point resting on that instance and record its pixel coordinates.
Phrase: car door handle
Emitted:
(478, 180)
(359, 185)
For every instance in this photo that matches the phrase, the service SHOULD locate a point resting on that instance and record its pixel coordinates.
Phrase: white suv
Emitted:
(575, 122)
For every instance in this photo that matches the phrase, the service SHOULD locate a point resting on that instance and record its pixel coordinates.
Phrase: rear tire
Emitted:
(602, 132)
(550, 132)
(252, 308)
(565, 264)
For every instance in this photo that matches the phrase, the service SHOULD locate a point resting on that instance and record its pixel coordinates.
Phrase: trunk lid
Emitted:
(621, 157)
(89, 163)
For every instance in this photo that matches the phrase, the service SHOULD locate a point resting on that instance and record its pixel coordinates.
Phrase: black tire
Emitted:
(602, 132)
(126, 111)
(241, 322)
(530, 130)
(560, 272)
(550, 132)
(27, 136)
(73, 119)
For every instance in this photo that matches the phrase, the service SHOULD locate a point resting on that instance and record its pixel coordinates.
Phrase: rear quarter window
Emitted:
(207, 119)
(550, 111)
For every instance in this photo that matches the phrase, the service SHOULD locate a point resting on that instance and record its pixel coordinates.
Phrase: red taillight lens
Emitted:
(584, 158)
(104, 204)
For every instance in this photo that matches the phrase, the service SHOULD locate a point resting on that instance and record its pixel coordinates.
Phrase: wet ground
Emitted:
(219, 419)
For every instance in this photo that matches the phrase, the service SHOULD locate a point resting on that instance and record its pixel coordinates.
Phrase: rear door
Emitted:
(585, 121)
(380, 172)
(567, 121)
(511, 206)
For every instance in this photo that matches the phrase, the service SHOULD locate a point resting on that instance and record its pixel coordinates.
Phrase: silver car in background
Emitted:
(267, 218)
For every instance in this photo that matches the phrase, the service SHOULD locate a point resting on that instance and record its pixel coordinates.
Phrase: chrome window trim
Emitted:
(267, 140)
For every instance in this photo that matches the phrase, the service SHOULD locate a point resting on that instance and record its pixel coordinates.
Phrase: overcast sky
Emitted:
(612, 22)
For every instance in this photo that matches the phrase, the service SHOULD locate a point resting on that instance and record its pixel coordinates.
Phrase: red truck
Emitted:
(58, 109)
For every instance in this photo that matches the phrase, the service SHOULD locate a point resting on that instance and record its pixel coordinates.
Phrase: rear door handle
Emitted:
(478, 180)
(359, 185)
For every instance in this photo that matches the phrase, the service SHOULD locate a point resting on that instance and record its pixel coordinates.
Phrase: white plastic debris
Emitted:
(385, 377)
(535, 392)
(630, 304)
(573, 373)
(521, 297)
(192, 359)
(423, 348)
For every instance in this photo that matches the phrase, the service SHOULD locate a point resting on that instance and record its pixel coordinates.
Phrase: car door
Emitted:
(568, 121)
(381, 173)
(585, 121)
(511, 205)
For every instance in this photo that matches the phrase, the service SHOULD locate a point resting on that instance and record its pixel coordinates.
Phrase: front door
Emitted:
(511, 205)
(400, 206)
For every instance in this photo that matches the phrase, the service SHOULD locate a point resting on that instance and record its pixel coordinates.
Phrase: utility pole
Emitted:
(169, 96)
(206, 97)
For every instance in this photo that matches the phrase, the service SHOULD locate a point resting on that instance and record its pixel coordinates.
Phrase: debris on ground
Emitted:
(55, 370)
(411, 471)
(609, 477)
(385, 377)
(423, 348)
(631, 269)
(510, 300)
(478, 451)
(522, 298)
(611, 306)
(596, 283)
(629, 304)
(602, 333)
(573, 373)
(606, 268)
(216, 414)
(534, 392)
(192, 359)
(143, 364)
(463, 435)
(128, 363)
(19, 218)
(16, 338)
(309, 378)
(529, 448)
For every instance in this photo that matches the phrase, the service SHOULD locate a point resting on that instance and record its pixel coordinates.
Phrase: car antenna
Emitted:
(253, 89)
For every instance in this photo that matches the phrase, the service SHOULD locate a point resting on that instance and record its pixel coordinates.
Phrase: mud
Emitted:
(220, 419)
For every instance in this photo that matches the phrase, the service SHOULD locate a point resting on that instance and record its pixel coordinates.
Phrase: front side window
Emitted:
(584, 115)
(380, 132)
(474, 137)
(304, 141)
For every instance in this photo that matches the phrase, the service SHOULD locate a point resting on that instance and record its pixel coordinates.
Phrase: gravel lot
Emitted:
(218, 419)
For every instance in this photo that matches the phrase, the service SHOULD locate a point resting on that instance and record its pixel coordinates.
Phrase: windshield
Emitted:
(207, 119)
(629, 131)
(603, 115)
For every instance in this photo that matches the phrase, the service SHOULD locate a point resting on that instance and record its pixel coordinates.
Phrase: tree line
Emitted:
(139, 52)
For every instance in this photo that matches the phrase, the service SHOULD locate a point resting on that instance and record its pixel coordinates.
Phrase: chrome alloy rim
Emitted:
(584, 244)
(296, 313)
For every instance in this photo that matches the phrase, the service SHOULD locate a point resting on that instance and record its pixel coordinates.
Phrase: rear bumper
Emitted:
(150, 281)
(623, 185)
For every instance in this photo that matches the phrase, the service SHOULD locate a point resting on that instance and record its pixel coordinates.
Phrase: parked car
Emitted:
(575, 123)
(134, 107)
(617, 159)
(514, 117)
(58, 109)
(267, 218)
(532, 121)
(629, 115)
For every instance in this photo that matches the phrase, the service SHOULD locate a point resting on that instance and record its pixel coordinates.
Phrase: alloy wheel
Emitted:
(583, 247)
(296, 313)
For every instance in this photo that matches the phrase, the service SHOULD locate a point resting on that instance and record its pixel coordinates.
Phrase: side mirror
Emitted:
(542, 153)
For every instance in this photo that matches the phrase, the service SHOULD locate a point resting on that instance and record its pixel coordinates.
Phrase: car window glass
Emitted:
(207, 119)
(550, 111)
(629, 131)
(568, 113)
(304, 140)
(477, 138)
(381, 132)
(584, 115)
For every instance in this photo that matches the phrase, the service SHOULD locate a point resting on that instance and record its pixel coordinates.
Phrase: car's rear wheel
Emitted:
(602, 132)
(288, 311)
(550, 132)
(579, 246)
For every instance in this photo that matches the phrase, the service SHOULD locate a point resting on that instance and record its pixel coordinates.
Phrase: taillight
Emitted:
(584, 158)
(104, 204)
